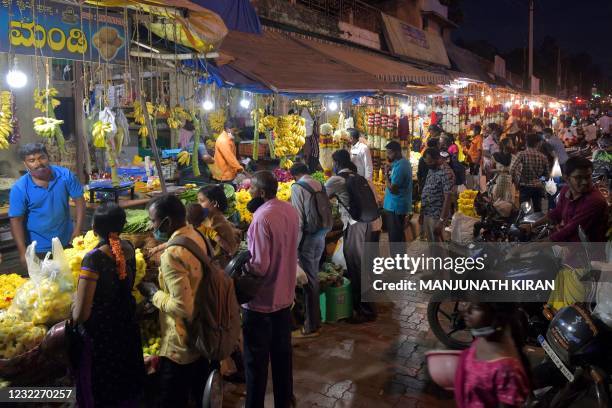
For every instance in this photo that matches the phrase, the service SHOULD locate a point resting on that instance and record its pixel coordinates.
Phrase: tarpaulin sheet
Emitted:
(284, 65)
(238, 15)
(383, 68)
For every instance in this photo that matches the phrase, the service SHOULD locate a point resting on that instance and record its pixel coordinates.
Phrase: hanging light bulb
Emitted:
(245, 102)
(508, 104)
(421, 106)
(333, 106)
(405, 107)
(15, 77)
(208, 105)
(488, 98)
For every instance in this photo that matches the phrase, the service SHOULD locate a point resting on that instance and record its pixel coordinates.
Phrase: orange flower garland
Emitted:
(117, 250)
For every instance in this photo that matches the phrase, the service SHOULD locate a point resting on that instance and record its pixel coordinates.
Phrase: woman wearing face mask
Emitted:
(110, 368)
(493, 372)
(213, 201)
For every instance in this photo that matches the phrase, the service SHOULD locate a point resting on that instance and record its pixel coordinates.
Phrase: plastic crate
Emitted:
(338, 302)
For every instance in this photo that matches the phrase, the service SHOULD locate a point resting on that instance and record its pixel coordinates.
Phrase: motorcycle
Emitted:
(578, 367)
(445, 317)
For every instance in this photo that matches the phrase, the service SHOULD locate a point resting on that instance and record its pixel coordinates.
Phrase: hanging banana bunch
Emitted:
(6, 118)
(184, 158)
(99, 131)
(216, 121)
(177, 116)
(48, 126)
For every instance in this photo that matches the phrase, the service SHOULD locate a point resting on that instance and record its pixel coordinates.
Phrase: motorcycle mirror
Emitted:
(526, 207)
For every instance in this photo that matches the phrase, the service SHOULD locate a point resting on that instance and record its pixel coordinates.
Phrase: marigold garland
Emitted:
(117, 250)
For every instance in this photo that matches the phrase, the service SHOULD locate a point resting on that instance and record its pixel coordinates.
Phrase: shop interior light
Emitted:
(421, 106)
(333, 106)
(405, 107)
(208, 105)
(508, 104)
(245, 103)
(16, 78)
(488, 98)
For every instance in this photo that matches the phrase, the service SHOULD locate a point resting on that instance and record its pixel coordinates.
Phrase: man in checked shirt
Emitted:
(526, 171)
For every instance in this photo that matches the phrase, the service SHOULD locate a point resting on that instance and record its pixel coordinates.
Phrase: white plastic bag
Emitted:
(556, 170)
(551, 187)
(46, 297)
(301, 278)
(338, 256)
(462, 228)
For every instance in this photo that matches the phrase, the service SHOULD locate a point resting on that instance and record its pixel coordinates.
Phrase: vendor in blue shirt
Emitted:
(398, 194)
(39, 202)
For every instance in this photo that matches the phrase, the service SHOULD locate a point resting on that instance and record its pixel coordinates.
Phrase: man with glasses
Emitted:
(580, 204)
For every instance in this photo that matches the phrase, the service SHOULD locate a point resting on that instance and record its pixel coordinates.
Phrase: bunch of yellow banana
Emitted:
(143, 132)
(99, 132)
(289, 134)
(6, 118)
(267, 123)
(44, 97)
(176, 117)
(184, 158)
(46, 127)
(138, 114)
(216, 120)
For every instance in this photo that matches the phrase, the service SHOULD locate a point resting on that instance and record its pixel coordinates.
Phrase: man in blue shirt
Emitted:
(398, 194)
(39, 202)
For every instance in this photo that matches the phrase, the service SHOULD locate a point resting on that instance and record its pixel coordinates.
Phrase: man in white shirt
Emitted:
(605, 123)
(360, 155)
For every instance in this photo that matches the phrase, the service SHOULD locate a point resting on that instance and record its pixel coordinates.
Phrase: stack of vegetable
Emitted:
(137, 222)
(330, 276)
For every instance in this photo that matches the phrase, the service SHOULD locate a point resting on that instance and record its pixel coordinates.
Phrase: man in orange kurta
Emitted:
(225, 155)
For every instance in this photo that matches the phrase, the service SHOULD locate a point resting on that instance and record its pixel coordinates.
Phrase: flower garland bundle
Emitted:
(115, 245)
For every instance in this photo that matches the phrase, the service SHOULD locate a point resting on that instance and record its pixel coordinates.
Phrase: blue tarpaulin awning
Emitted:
(238, 15)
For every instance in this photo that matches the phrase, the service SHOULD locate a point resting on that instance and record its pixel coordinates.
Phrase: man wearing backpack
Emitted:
(309, 198)
(182, 369)
(272, 240)
(358, 208)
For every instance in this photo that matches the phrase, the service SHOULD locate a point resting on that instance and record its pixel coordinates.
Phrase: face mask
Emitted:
(254, 204)
(161, 236)
(483, 331)
(43, 173)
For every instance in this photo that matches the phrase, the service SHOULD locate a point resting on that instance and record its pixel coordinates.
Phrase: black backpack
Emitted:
(321, 216)
(362, 202)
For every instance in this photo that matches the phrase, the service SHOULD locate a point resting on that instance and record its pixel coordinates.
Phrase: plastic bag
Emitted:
(556, 170)
(301, 278)
(46, 297)
(462, 228)
(551, 187)
(338, 255)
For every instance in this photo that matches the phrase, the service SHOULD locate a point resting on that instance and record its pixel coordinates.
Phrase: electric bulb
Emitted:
(405, 107)
(508, 104)
(208, 105)
(333, 106)
(16, 79)
(245, 103)
(421, 106)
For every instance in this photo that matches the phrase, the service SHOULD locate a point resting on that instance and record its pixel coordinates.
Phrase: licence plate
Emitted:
(555, 359)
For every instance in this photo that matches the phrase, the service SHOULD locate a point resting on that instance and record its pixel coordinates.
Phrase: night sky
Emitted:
(578, 25)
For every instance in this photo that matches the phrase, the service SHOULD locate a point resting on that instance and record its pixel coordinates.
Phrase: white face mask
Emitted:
(484, 331)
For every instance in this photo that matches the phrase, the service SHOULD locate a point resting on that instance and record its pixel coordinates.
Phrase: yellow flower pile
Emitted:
(151, 337)
(8, 285)
(216, 120)
(243, 197)
(44, 302)
(81, 245)
(466, 203)
(17, 336)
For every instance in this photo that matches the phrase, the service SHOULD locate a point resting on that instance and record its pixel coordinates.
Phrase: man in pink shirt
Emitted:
(273, 242)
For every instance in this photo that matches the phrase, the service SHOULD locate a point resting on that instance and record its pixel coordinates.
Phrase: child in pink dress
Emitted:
(492, 373)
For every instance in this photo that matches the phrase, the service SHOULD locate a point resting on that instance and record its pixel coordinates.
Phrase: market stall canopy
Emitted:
(238, 15)
(199, 28)
(406, 40)
(382, 67)
(468, 64)
(284, 65)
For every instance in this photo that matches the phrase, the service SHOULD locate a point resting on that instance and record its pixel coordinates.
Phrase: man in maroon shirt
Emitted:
(579, 205)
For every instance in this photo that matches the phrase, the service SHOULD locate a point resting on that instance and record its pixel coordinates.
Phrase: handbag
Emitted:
(246, 283)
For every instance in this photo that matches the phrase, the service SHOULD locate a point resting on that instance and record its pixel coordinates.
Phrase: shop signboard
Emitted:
(62, 30)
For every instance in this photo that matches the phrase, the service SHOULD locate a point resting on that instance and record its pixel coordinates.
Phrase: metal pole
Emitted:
(530, 70)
